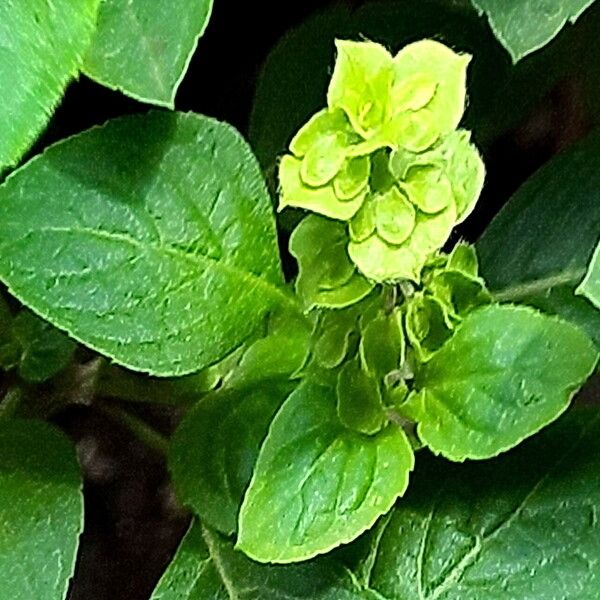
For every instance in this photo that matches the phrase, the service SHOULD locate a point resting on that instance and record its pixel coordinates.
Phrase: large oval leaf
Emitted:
(150, 239)
(538, 248)
(143, 48)
(42, 47)
(507, 372)
(41, 511)
(316, 484)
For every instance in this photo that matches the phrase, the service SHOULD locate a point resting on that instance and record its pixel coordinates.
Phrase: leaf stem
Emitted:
(521, 291)
(142, 430)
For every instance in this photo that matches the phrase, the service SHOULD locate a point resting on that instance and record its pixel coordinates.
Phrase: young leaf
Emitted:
(446, 69)
(523, 26)
(43, 44)
(159, 253)
(163, 32)
(382, 345)
(361, 84)
(520, 526)
(41, 511)
(206, 567)
(279, 354)
(359, 402)
(213, 451)
(316, 484)
(537, 250)
(326, 276)
(506, 372)
(381, 261)
(427, 326)
(590, 286)
(322, 200)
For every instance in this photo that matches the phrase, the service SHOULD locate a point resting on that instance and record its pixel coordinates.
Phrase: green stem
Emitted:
(142, 430)
(526, 289)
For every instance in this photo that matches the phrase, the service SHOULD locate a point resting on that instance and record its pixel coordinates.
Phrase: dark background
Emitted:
(133, 522)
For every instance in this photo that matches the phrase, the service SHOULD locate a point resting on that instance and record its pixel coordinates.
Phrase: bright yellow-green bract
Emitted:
(386, 157)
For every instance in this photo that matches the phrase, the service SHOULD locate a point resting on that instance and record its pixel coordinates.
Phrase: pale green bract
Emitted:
(385, 155)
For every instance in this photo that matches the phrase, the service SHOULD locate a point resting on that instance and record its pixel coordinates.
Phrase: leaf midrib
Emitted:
(198, 260)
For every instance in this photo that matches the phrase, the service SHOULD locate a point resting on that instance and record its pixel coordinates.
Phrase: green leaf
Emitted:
(395, 217)
(506, 372)
(159, 253)
(520, 526)
(336, 328)
(382, 345)
(323, 200)
(279, 354)
(359, 402)
(427, 327)
(428, 188)
(326, 276)
(381, 261)
(206, 567)
(43, 349)
(465, 170)
(164, 33)
(41, 511)
(361, 84)
(537, 250)
(213, 451)
(447, 70)
(523, 26)
(43, 45)
(316, 484)
(322, 124)
(590, 286)
(458, 293)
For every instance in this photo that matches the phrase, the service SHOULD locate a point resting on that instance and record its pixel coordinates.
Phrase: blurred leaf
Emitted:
(523, 26)
(538, 248)
(43, 349)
